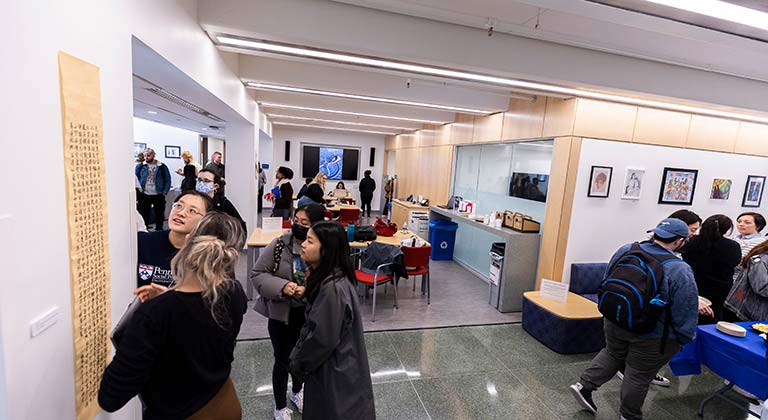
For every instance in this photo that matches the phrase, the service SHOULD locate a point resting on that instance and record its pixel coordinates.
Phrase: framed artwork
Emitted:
(138, 149)
(721, 189)
(600, 181)
(678, 186)
(633, 183)
(753, 193)
(173, 152)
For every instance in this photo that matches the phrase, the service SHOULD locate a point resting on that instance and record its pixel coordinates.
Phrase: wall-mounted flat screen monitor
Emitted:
(336, 162)
(529, 186)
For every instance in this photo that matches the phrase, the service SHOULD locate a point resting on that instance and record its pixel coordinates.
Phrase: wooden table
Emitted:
(574, 307)
(260, 239)
(402, 209)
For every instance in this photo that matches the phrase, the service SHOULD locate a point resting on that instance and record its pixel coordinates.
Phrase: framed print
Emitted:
(753, 193)
(678, 186)
(721, 189)
(138, 149)
(600, 181)
(173, 152)
(633, 184)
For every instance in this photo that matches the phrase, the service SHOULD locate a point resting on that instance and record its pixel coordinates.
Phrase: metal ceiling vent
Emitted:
(182, 102)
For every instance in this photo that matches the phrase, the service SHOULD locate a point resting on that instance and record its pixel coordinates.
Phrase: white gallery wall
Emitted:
(601, 225)
(157, 136)
(299, 136)
(38, 373)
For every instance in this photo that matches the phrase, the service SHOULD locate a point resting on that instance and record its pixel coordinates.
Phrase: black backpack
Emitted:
(629, 296)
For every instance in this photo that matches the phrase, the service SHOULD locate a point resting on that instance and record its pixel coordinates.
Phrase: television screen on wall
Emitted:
(529, 186)
(336, 162)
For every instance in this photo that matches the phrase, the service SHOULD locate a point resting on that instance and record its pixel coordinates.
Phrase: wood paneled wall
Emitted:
(424, 159)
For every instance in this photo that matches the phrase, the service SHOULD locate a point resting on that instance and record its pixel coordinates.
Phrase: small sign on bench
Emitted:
(554, 290)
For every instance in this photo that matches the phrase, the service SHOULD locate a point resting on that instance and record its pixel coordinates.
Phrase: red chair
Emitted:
(373, 280)
(348, 200)
(349, 215)
(287, 224)
(328, 215)
(416, 261)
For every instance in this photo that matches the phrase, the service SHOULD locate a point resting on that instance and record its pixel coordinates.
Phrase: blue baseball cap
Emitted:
(670, 228)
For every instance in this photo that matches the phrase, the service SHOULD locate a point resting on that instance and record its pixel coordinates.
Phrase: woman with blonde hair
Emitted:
(177, 348)
(188, 159)
(315, 191)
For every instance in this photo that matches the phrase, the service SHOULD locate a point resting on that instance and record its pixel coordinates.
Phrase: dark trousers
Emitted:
(642, 360)
(284, 338)
(148, 203)
(261, 197)
(366, 202)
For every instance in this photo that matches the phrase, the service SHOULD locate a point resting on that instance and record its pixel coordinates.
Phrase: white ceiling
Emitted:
(576, 43)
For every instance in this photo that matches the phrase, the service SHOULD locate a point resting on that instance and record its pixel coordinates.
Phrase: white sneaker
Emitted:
(297, 400)
(657, 380)
(284, 414)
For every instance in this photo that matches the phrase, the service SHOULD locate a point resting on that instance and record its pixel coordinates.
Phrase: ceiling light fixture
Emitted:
(358, 114)
(333, 128)
(152, 112)
(291, 117)
(720, 10)
(282, 88)
(259, 45)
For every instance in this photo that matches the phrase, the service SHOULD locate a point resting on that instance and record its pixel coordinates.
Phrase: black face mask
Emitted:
(299, 232)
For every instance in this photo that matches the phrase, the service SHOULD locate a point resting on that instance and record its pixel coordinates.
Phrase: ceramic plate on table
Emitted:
(731, 329)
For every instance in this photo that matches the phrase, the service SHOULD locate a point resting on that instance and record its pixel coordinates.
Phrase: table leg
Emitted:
(251, 256)
(720, 393)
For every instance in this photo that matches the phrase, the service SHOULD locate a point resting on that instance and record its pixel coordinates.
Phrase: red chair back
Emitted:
(329, 215)
(416, 256)
(286, 224)
(348, 215)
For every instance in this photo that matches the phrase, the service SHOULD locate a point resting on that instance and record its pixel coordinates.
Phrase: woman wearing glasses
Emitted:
(210, 183)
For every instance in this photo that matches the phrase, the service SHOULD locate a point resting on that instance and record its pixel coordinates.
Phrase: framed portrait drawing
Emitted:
(753, 193)
(721, 189)
(138, 149)
(633, 184)
(173, 152)
(678, 186)
(600, 181)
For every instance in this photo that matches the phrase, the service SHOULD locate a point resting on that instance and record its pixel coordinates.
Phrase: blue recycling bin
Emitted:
(442, 236)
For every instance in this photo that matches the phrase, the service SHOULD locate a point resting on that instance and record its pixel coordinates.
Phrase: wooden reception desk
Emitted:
(401, 209)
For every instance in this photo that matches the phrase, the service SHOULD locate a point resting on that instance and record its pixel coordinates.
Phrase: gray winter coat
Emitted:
(271, 303)
(748, 298)
(330, 355)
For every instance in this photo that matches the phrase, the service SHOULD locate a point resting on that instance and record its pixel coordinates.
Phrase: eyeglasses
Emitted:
(191, 210)
(207, 181)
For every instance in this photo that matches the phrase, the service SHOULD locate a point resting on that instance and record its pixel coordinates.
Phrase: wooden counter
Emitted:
(401, 209)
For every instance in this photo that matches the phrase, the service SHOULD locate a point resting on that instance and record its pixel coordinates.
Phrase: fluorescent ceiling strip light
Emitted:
(477, 77)
(720, 10)
(282, 88)
(333, 128)
(291, 117)
(359, 114)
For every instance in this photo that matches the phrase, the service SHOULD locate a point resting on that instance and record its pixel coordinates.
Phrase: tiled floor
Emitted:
(458, 298)
(467, 373)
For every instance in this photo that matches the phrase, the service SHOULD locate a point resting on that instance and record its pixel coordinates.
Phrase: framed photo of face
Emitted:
(678, 186)
(633, 184)
(753, 193)
(600, 181)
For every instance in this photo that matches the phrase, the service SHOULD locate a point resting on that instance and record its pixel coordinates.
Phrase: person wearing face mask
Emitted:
(642, 354)
(211, 184)
(279, 278)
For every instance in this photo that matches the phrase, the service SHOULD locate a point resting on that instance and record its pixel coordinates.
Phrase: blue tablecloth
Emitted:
(739, 360)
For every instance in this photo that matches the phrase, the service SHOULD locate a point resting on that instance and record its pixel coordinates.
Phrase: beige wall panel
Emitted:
(557, 180)
(752, 139)
(524, 120)
(427, 136)
(565, 218)
(445, 174)
(709, 133)
(443, 135)
(388, 143)
(559, 117)
(663, 128)
(488, 128)
(461, 130)
(604, 120)
(408, 140)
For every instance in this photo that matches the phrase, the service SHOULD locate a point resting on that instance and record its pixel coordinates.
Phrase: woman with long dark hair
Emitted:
(279, 277)
(177, 348)
(748, 298)
(330, 353)
(713, 258)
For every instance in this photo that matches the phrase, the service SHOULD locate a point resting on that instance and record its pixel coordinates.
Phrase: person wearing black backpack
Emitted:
(649, 302)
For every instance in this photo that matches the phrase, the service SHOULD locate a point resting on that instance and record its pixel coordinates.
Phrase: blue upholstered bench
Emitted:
(570, 327)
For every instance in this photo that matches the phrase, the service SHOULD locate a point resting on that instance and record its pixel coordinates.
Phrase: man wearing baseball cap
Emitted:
(641, 355)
